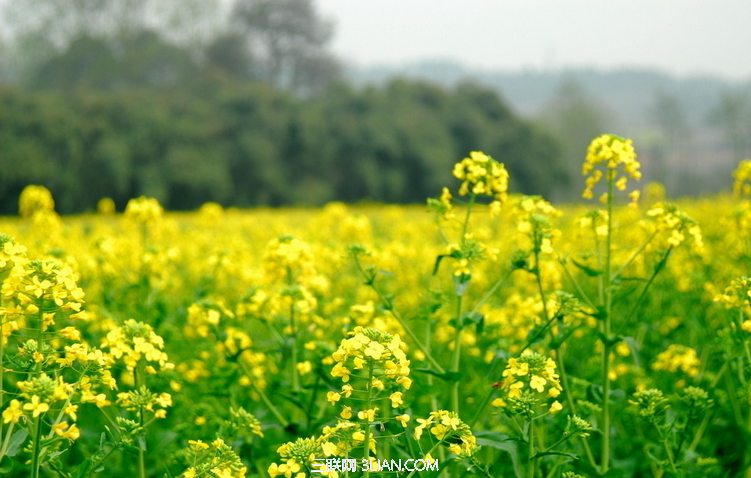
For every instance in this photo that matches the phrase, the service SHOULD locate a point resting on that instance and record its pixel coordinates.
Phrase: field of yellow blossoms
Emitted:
(497, 334)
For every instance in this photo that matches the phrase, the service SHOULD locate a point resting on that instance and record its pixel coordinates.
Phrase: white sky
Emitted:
(677, 36)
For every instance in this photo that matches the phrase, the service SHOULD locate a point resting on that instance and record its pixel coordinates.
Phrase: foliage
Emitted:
(251, 145)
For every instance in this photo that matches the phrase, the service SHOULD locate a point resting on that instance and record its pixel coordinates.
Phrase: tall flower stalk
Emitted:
(481, 176)
(618, 157)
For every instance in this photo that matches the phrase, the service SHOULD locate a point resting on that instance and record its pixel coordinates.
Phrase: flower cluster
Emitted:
(344, 437)
(136, 340)
(482, 175)
(144, 210)
(106, 206)
(215, 459)
(299, 456)
(442, 206)
(287, 257)
(595, 220)
(42, 390)
(528, 381)
(448, 429)
(380, 351)
(678, 357)
(39, 289)
(534, 216)
(34, 199)
(143, 399)
(650, 403)
(695, 400)
(242, 423)
(614, 152)
(377, 358)
(677, 225)
(736, 295)
(742, 183)
(204, 317)
(465, 254)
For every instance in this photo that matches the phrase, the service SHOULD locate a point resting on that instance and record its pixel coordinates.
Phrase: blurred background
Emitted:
(301, 102)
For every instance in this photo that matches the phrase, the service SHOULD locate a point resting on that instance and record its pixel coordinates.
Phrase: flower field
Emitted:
(497, 334)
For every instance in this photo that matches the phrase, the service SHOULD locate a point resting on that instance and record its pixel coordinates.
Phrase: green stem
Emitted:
(141, 422)
(35, 458)
(6, 442)
(561, 440)
(457, 357)
(583, 295)
(465, 227)
(606, 331)
(660, 265)
(430, 380)
(432, 449)
(669, 453)
(456, 361)
(635, 255)
(293, 346)
(102, 459)
(538, 276)
(35, 461)
(264, 398)
(559, 353)
(481, 408)
(293, 334)
(531, 464)
(700, 432)
(479, 466)
(368, 404)
(388, 305)
(40, 336)
(492, 291)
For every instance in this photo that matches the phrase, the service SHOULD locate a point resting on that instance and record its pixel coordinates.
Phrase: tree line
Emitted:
(252, 144)
(123, 98)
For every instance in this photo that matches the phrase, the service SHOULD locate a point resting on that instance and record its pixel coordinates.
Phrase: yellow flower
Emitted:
(498, 402)
(304, 368)
(61, 429)
(13, 413)
(396, 399)
(537, 383)
(403, 419)
(36, 407)
(368, 415)
(198, 445)
(556, 407)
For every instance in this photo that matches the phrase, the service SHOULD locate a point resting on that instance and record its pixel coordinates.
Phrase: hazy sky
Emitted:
(676, 36)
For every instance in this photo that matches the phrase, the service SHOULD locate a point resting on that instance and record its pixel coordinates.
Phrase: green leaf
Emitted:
(16, 441)
(447, 376)
(6, 465)
(587, 270)
(438, 263)
(500, 441)
(461, 284)
(84, 469)
(559, 453)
